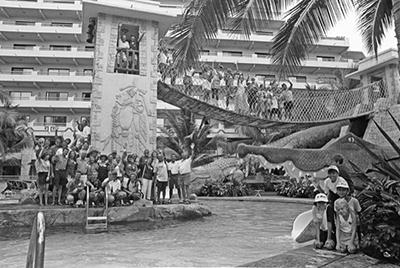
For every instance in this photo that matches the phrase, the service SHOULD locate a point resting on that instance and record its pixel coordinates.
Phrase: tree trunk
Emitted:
(396, 15)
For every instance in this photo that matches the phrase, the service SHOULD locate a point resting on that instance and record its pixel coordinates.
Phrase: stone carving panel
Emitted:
(130, 126)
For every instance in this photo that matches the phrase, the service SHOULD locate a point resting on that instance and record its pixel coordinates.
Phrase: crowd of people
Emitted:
(73, 172)
(231, 90)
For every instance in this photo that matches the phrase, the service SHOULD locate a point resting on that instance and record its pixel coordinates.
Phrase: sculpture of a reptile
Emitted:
(316, 159)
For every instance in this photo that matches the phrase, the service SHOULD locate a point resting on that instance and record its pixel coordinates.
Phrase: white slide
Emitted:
(304, 227)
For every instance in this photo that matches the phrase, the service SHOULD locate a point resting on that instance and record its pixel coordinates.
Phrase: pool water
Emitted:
(236, 233)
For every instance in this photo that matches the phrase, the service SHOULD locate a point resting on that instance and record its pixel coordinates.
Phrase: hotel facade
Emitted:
(47, 64)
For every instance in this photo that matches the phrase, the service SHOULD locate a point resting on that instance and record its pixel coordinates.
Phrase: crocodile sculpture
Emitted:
(350, 146)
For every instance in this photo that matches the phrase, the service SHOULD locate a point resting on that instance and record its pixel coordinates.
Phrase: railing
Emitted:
(273, 104)
(35, 258)
(127, 61)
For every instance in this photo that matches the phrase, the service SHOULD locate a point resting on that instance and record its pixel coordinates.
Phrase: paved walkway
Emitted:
(310, 258)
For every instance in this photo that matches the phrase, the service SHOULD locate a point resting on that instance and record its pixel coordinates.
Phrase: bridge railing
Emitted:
(307, 105)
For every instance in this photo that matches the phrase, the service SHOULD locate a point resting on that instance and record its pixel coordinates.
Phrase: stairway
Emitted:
(96, 223)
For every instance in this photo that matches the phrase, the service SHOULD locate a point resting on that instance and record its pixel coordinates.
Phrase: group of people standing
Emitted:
(72, 173)
(230, 90)
(336, 212)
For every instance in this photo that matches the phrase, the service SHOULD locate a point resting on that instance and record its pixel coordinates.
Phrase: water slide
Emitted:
(304, 227)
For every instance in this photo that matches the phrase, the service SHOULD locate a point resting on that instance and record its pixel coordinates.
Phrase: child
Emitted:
(330, 184)
(323, 219)
(343, 190)
(346, 225)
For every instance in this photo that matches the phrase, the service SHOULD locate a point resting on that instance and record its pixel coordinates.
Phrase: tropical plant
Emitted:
(306, 23)
(14, 135)
(293, 188)
(182, 134)
(215, 188)
(380, 202)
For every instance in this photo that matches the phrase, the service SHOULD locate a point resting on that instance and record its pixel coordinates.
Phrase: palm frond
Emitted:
(200, 22)
(4, 97)
(374, 18)
(7, 119)
(307, 22)
(253, 15)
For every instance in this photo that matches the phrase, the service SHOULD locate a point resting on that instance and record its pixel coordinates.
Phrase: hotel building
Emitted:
(47, 65)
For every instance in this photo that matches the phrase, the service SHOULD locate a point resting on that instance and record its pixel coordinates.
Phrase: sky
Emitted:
(348, 28)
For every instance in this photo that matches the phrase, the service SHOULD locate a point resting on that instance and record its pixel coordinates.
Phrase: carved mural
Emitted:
(129, 121)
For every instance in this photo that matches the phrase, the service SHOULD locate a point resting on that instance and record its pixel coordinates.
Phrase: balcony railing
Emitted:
(127, 61)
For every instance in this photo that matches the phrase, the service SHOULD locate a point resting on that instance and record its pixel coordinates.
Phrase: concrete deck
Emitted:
(310, 258)
(267, 198)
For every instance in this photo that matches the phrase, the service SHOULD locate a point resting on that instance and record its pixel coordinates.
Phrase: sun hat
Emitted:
(333, 167)
(321, 198)
(343, 184)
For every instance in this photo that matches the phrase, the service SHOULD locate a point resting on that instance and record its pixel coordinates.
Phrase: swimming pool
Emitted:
(236, 233)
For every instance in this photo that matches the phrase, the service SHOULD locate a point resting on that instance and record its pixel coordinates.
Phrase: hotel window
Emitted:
(56, 96)
(55, 71)
(326, 80)
(55, 120)
(86, 96)
(21, 70)
(300, 79)
(266, 77)
(326, 58)
(232, 53)
(26, 23)
(24, 46)
(87, 72)
(89, 48)
(263, 54)
(62, 24)
(20, 95)
(60, 47)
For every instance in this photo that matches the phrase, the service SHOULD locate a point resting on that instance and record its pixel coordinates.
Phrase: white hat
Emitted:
(343, 184)
(321, 198)
(333, 167)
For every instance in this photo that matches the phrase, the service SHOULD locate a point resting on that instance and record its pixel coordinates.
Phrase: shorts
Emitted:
(162, 185)
(60, 178)
(173, 181)
(184, 179)
(42, 178)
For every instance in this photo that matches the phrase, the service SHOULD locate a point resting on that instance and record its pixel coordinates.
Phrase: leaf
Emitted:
(374, 17)
(306, 23)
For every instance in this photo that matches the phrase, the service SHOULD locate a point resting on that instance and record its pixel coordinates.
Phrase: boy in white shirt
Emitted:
(173, 172)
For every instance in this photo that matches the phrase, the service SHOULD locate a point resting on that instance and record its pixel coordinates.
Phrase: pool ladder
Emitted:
(96, 223)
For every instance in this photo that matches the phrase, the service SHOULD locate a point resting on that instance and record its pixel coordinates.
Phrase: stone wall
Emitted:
(124, 106)
(77, 216)
(382, 117)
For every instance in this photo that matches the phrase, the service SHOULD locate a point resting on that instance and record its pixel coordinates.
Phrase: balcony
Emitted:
(37, 102)
(40, 8)
(47, 55)
(252, 61)
(48, 129)
(40, 27)
(79, 77)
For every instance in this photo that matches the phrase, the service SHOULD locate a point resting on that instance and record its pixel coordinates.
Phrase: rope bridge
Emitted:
(244, 107)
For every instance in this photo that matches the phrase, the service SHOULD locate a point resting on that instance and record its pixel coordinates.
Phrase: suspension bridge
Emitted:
(310, 107)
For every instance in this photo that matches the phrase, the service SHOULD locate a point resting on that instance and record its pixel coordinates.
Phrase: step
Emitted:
(97, 218)
(97, 226)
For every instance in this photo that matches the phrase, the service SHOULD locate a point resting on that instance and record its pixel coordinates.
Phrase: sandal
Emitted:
(170, 201)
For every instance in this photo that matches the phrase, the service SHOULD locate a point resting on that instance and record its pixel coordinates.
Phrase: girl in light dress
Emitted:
(346, 227)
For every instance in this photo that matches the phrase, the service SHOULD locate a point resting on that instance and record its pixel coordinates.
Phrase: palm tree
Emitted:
(306, 23)
(182, 134)
(14, 135)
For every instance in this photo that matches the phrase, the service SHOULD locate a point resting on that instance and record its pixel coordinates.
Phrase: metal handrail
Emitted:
(35, 258)
(87, 204)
